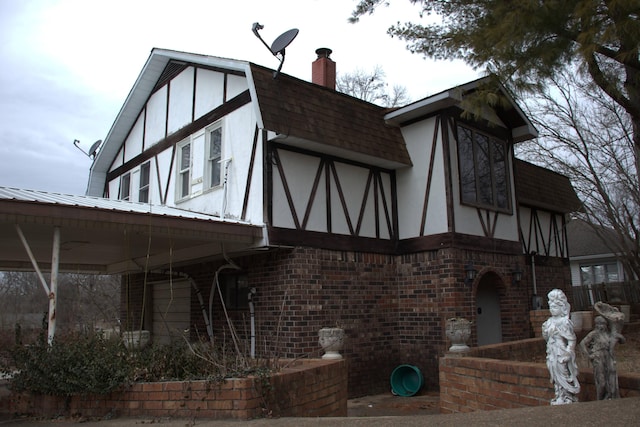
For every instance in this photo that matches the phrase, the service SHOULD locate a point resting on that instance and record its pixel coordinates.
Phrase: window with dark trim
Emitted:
(235, 290)
(483, 170)
(143, 194)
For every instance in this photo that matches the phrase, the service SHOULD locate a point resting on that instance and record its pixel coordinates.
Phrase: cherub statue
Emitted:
(561, 341)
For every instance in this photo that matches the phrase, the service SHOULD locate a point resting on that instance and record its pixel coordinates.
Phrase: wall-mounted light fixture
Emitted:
(469, 273)
(516, 275)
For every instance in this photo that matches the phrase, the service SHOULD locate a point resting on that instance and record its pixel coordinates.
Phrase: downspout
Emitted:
(252, 313)
(225, 164)
(536, 301)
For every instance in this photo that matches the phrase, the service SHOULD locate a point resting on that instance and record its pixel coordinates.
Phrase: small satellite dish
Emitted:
(279, 44)
(283, 40)
(92, 150)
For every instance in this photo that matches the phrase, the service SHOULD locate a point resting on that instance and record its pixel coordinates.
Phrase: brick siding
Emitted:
(393, 307)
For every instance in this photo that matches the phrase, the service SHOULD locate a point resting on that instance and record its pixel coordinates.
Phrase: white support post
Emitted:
(55, 263)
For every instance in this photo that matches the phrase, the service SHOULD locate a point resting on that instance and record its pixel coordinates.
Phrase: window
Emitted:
(125, 186)
(235, 290)
(214, 155)
(143, 195)
(483, 170)
(184, 170)
(599, 273)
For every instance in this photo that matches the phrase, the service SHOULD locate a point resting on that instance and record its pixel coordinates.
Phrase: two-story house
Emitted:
(219, 180)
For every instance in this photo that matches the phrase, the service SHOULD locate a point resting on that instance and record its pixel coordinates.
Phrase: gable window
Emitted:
(483, 170)
(184, 170)
(125, 187)
(214, 155)
(143, 194)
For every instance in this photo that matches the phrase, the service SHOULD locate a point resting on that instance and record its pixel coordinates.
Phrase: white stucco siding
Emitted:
(236, 85)
(300, 172)
(156, 116)
(412, 183)
(237, 142)
(209, 92)
(133, 143)
(180, 100)
(117, 161)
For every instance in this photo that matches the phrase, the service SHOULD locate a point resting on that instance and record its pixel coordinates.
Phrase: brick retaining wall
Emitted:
(306, 388)
(489, 378)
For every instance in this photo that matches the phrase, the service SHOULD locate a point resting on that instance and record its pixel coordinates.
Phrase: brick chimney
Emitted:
(323, 69)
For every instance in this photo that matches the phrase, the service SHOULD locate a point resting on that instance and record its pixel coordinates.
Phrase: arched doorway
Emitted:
(488, 314)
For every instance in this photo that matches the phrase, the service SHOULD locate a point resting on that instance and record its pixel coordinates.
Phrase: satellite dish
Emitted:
(283, 40)
(279, 44)
(92, 150)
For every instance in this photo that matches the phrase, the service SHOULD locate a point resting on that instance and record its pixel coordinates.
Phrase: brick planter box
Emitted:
(484, 379)
(306, 388)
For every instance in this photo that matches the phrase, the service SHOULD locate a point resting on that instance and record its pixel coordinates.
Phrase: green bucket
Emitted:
(406, 380)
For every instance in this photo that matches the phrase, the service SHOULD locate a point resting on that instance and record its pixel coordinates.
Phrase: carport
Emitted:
(42, 231)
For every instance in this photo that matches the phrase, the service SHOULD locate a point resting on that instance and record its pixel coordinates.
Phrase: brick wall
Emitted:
(393, 308)
(480, 381)
(305, 388)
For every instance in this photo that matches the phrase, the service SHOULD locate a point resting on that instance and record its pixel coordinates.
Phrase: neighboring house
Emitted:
(333, 210)
(590, 255)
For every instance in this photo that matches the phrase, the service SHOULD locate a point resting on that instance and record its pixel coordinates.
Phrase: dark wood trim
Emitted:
(327, 197)
(290, 237)
(343, 201)
(285, 187)
(160, 196)
(376, 207)
(193, 95)
(385, 207)
(363, 205)
(144, 132)
(166, 111)
(458, 241)
(211, 117)
(224, 88)
(174, 149)
(427, 191)
(247, 187)
(394, 204)
(447, 123)
(267, 179)
(312, 196)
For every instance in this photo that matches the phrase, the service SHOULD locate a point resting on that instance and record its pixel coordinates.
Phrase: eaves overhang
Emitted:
(521, 127)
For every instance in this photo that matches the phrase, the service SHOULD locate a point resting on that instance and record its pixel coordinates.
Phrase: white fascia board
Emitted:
(423, 107)
(254, 97)
(524, 133)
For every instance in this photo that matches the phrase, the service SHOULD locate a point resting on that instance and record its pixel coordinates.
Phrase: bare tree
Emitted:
(371, 87)
(589, 138)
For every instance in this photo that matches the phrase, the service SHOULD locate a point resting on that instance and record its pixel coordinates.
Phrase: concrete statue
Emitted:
(599, 345)
(561, 342)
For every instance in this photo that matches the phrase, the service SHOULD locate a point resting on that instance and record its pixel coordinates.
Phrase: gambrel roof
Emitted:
(308, 114)
(300, 113)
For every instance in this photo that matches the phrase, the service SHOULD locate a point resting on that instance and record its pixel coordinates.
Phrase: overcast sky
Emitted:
(68, 65)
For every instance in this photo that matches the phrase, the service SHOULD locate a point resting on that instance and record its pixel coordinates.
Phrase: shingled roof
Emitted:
(314, 113)
(543, 188)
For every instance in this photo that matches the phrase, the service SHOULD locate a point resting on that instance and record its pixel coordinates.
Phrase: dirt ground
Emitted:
(423, 403)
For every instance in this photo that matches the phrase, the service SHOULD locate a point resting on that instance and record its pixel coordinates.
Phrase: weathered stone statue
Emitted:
(561, 342)
(599, 345)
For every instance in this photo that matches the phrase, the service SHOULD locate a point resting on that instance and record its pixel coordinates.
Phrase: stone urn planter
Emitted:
(458, 331)
(331, 340)
(136, 339)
